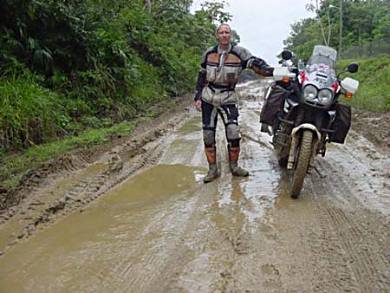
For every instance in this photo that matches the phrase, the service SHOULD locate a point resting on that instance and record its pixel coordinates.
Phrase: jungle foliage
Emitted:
(69, 65)
(365, 24)
(374, 83)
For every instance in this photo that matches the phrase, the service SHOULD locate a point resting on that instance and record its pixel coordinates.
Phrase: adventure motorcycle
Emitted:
(303, 111)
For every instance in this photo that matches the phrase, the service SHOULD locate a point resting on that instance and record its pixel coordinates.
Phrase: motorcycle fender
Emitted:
(295, 141)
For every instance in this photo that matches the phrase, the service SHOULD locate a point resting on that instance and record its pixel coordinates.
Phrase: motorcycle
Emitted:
(303, 113)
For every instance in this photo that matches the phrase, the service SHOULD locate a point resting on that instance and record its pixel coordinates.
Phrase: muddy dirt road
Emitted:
(143, 221)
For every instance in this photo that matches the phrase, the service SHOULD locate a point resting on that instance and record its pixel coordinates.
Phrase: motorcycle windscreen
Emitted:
(323, 55)
(321, 67)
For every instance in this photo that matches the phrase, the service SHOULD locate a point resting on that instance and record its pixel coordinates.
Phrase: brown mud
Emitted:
(375, 126)
(141, 219)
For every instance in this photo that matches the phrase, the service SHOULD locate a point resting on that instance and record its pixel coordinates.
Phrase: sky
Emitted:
(264, 24)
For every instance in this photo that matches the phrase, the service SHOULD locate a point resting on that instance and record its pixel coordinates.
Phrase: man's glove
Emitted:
(256, 62)
(260, 66)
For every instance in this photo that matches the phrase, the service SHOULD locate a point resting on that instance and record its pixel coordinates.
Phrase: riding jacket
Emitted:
(220, 70)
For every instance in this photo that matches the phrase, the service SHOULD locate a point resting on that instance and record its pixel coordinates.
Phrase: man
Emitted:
(215, 94)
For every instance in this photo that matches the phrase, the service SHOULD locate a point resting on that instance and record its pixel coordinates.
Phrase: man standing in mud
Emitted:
(215, 94)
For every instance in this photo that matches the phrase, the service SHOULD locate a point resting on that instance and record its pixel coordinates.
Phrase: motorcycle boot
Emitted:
(213, 173)
(236, 170)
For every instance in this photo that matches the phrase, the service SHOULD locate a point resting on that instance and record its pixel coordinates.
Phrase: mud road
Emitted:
(139, 219)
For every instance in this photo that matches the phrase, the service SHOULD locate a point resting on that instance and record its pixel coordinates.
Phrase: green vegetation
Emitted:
(16, 165)
(374, 77)
(29, 112)
(366, 26)
(66, 66)
(72, 73)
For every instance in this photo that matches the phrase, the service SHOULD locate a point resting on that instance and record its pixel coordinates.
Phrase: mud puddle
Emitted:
(99, 238)
(34, 207)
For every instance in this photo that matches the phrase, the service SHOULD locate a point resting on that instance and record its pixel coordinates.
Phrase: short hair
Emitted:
(221, 25)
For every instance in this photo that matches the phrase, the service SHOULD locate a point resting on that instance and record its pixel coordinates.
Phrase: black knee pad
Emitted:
(232, 132)
(209, 137)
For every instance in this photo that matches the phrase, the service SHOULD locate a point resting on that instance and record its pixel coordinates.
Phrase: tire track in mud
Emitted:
(31, 181)
(88, 190)
(364, 169)
(368, 262)
(329, 259)
(360, 235)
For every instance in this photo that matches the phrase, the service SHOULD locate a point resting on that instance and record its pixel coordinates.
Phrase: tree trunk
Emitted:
(148, 4)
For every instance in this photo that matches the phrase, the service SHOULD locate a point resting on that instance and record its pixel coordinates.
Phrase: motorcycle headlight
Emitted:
(310, 92)
(325, 96)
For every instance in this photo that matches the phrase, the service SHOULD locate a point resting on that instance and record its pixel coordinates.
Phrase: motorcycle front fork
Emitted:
(321, 149)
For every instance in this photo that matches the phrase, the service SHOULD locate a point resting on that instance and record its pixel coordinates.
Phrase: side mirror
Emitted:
(353, 67)
(286, 55)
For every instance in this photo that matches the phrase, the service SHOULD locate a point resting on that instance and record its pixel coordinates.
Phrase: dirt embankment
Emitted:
(375, 126)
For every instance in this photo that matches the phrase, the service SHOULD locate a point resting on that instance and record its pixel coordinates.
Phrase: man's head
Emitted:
(224, 34)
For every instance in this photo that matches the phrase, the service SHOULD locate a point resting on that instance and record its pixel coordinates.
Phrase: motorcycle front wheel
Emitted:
(283, 162)
(302, 163)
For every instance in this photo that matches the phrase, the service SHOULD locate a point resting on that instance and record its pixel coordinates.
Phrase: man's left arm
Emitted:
(258, 65)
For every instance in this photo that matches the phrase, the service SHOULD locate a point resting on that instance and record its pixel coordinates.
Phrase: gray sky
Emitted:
(263, 25)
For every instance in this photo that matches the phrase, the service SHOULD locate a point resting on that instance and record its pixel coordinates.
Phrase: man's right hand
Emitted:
(198, 105)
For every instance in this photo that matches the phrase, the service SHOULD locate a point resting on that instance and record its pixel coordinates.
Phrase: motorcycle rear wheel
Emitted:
(302, 163)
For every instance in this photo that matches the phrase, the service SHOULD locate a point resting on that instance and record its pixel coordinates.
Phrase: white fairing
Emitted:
(350, 85)
(280, 72)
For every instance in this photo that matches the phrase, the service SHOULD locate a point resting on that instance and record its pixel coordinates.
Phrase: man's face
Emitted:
(223, 35)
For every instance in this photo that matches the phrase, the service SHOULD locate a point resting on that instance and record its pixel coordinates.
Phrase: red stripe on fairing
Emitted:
(303, 77)
(335, 86)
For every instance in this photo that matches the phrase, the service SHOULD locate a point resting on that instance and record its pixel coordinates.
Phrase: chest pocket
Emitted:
(211, 73)
(232, 68)
(230, 74)
(211, 67)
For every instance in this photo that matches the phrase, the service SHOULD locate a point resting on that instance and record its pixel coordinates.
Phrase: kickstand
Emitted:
(318, 172)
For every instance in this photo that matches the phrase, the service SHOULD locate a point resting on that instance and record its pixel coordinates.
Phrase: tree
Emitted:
(363, 23)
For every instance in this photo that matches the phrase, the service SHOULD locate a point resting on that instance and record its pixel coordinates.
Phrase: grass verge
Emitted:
(374, 78)
(14, 166)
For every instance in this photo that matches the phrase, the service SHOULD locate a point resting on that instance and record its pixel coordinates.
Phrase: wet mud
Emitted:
(147, 223)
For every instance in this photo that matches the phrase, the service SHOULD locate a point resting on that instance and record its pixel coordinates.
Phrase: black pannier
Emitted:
(273, 105)
(341, 124)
